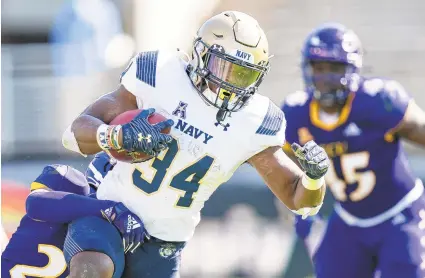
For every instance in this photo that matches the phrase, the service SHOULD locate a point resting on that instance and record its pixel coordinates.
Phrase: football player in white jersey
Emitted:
(219, 122)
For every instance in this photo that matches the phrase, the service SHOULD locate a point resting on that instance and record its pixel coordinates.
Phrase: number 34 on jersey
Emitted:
(187, 180)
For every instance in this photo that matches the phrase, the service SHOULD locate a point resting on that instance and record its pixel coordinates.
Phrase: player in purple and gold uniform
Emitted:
(58, 196)
(376, 223)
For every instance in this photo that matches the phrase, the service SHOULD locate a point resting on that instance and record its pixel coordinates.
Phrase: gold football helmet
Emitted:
(229, 60)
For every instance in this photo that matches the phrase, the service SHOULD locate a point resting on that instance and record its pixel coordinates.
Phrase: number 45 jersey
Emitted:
(370, 173)
(168, 192)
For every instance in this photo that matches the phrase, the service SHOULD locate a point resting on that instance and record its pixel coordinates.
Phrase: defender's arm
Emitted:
(412, 127)
(286, 180)
(81, 135)
(63, 207)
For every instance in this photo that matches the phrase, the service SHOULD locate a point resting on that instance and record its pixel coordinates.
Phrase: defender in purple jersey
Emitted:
(378, 221)
(58, 196)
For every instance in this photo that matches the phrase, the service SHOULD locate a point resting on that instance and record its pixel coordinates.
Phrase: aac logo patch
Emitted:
(187, 128)
(180, 111)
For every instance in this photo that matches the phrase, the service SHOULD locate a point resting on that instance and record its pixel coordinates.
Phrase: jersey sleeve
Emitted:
(388, 106)
(61, 178)
(140, 76)
(291, 129)
(270, 131)
(292, 107)
(148, 72)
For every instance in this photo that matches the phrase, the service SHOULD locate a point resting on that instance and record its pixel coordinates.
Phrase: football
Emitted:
(125, 156)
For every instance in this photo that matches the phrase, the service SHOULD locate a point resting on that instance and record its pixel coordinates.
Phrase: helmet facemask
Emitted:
(224, 80)
(330, 86)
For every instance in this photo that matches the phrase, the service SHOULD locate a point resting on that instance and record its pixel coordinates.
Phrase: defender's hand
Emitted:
(313, 159)
(140, 136)
(128, 224)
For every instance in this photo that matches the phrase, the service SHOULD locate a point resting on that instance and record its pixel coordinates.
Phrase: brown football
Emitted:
(126, 117)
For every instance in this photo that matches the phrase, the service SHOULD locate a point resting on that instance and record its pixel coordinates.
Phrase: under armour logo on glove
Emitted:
(140, 136)
(128, 224)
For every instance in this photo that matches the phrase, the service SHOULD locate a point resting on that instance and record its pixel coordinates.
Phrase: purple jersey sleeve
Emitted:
(290, 113)
(388, 104)
(291, 129)
(63, 207)
(59, 177)
(63, 202)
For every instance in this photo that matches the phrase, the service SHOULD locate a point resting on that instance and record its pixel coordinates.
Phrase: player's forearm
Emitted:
(295, 195)
(418, 136)
(412, 126)
(85, 131)
(63, 207)
(415, 133)
(82, 135)
(308, 193)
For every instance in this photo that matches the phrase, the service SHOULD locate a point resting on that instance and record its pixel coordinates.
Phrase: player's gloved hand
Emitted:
(101, 164)
(140, 136)
(313, 159)
(128, 224)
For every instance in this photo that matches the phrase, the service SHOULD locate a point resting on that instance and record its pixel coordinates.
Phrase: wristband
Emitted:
(115, 137)
(101, 137)
(312, 184)
(107, 136)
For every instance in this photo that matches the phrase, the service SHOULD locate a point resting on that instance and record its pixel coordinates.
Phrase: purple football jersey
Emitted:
(369, 172)
(35, 249)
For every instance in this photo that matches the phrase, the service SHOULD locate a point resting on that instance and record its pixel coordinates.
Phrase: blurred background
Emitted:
(60, 55)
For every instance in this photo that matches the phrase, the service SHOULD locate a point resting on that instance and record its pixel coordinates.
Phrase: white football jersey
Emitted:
(168, 192)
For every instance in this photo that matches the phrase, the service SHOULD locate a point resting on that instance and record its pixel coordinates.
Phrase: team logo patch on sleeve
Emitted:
(146, 67)
(272, 122)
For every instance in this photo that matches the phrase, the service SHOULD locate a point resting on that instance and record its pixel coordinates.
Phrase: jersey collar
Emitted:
(345, 112)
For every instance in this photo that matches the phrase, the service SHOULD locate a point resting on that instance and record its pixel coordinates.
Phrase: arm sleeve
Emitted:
(63, 207)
